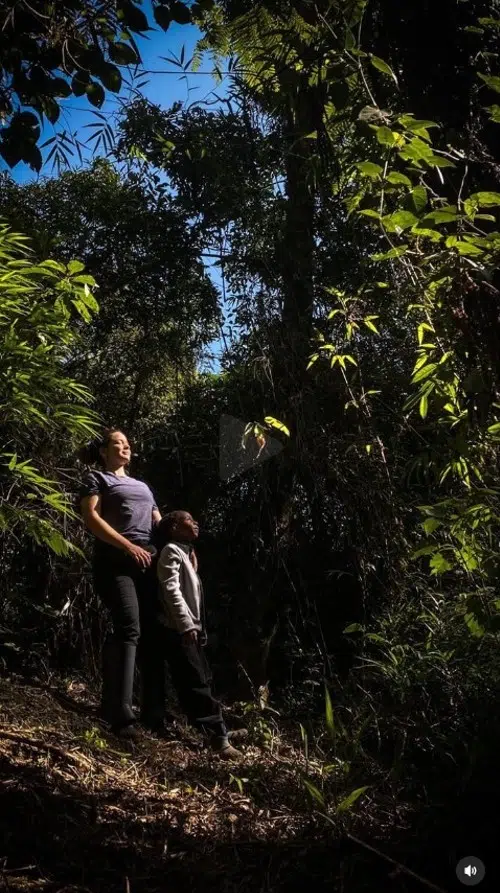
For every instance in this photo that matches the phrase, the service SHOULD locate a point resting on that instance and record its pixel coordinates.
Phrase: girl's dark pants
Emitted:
(130, 594)
(192, 680)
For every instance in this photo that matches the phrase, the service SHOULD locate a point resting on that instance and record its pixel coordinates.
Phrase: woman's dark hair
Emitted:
(90, 454)
(164, 531)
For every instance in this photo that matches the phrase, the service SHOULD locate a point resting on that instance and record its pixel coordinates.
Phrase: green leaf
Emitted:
(424, 372)
(494, 111)
(465, 248)
(415, 124)
(80, 83)
(385, 136)
(403, 220)
(75, 266)
(470, 207)
(370, 325)
(489, 22)
(82, 310)
(133, 17)
(95, 94)
(275, 423)
(162, 17)
(88, 299)
(430, 525)
(423, 406)
(422, 329)
(419, 198)
(351, 799)
(398, 179)
(180, 13)
(491, 81)
(369, 212)
(383, 67)
(111, 77)
(330, 724)
(439, 161)
(354, 628)
(423, 233)
(474, 626)
(486, 199)
(416, 150)
(369, 169)
(440, 217)
(59, 87)
(439, 564)
(122, 53)
(314, 792)
(392, 253)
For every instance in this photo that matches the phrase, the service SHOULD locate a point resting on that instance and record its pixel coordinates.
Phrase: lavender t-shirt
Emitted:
(126, 503)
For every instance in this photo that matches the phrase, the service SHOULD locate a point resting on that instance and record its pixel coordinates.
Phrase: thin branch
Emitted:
(398, 865)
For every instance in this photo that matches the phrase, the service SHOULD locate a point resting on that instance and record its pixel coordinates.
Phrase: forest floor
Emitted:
(81, 812)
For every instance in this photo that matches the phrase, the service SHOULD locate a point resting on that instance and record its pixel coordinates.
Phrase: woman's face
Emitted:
(117, 453)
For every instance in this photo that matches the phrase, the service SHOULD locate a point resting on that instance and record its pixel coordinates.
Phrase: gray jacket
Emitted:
(180, 591)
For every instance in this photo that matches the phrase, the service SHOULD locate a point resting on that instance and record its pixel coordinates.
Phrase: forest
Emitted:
(288, 297)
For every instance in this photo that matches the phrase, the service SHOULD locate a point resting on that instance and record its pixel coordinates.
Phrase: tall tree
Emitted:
(158, 307)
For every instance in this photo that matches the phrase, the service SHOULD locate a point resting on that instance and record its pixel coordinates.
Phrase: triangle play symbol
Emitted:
(238, 453)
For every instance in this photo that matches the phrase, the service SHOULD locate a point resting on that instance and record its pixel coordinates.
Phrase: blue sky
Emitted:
(166, 85)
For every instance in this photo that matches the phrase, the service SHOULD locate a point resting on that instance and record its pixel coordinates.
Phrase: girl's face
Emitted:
(117, 453)
(186, 528)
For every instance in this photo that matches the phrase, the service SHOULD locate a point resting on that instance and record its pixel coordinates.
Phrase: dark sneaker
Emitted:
(163, 730)
(129, 732)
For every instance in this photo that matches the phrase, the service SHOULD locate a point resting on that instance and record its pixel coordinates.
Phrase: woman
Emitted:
(121, 512)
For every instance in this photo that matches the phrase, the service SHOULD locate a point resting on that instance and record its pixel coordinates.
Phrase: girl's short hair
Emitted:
(164, 531)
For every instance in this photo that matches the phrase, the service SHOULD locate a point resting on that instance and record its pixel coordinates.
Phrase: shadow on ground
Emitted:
(79, 814)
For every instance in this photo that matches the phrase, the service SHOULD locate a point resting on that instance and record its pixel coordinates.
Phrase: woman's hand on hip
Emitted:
(191, 637)
(140, 555)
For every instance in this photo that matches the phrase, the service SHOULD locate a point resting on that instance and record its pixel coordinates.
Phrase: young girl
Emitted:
(121, 511)
(183, 631)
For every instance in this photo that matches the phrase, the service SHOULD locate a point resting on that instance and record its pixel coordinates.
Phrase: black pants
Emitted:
(129, 593)
(192, 680)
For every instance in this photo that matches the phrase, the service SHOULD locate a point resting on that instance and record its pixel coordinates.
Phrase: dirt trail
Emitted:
(80, 812)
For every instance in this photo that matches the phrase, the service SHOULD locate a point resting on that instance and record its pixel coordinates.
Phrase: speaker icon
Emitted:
(470, 871)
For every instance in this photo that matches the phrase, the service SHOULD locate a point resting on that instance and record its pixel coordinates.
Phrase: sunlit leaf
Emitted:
(330, 723)
(275, 423)
(383, 67)
(349, 801)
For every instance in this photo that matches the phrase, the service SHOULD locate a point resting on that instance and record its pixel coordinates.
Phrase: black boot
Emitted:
(123, 715)
(152, 688)
(110, 678)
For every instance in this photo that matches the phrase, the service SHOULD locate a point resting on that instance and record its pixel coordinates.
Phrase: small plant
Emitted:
(93, 738)
(261, 724)
(239, 782)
